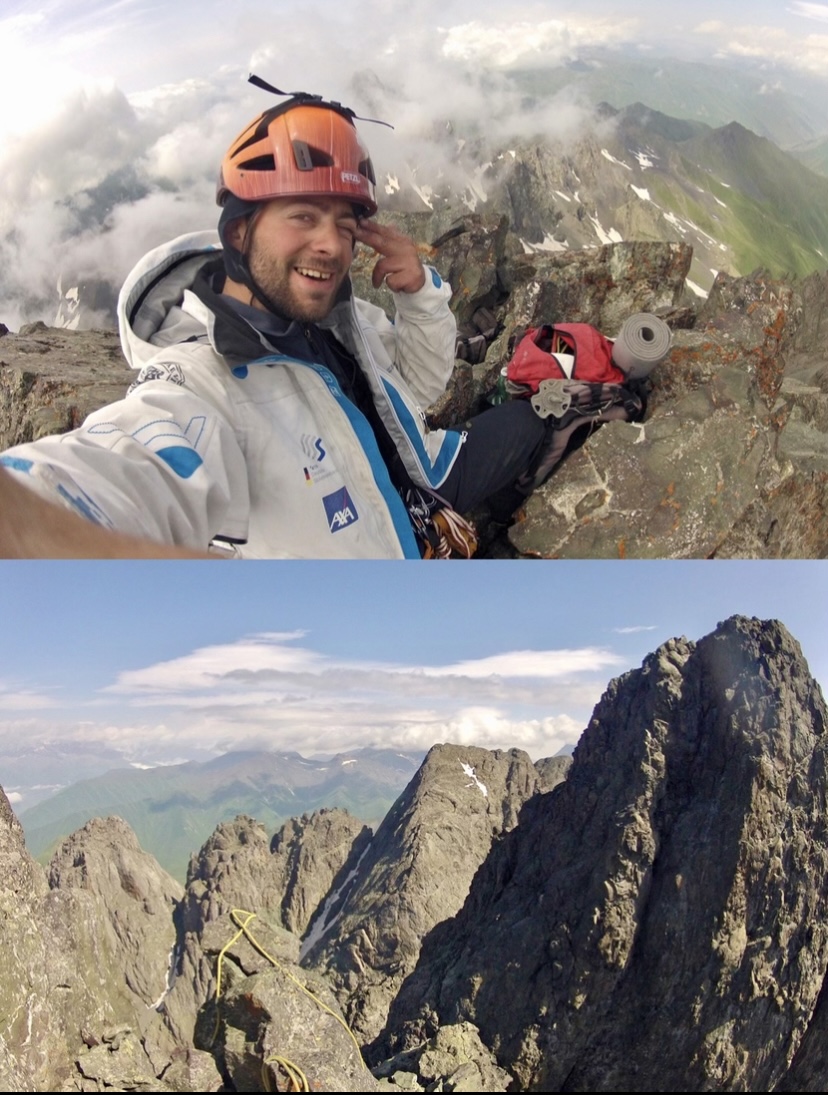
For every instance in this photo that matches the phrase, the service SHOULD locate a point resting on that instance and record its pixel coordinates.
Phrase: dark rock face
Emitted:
(658, 921)
(417, 871)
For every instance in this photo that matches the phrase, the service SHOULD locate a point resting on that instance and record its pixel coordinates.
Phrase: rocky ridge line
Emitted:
(655, 921)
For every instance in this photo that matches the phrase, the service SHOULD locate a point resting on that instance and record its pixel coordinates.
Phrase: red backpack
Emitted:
(567, 373)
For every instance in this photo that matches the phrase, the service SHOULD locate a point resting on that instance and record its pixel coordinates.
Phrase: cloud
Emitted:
(531, 663)
(208, 666)
(532, 43)
(272, 690)
(274, 658)
(770, 45)
(810, 11)
(12, 699)
(634, 630)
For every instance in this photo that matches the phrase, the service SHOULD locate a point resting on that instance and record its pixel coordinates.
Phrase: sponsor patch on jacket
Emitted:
(159, 370)
(172, 442)
(318, 467)
(340, 509)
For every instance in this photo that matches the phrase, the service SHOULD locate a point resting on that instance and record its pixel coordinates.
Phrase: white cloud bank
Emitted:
(112, 137)
(270, 690)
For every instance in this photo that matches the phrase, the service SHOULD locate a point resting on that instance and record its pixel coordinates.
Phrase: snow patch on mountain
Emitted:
(609, 156)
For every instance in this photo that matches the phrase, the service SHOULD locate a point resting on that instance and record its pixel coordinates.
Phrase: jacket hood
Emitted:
(150, 311)
(164, 301)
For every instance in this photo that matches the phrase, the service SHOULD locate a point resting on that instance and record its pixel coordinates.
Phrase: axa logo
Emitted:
(340, 509)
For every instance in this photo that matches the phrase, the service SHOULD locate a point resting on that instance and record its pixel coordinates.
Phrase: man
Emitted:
(274, 415)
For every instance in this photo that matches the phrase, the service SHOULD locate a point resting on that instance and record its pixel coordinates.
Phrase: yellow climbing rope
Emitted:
(237, 916)
(296, 1078)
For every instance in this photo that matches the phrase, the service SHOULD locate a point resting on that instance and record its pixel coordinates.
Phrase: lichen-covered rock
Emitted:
(51, 379)
(70, 970)
(730, 461)
(137, 899)
(273, 1023)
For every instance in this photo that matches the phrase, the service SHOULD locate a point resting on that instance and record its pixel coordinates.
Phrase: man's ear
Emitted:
(236, 232)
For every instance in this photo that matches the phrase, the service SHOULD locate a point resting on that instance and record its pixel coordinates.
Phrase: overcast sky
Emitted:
(157, 662)
(156, 91)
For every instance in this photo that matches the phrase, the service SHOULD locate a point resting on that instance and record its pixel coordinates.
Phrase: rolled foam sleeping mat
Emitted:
(642, 343)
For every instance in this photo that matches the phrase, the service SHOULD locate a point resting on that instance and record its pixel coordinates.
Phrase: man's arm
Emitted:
(423, 338)
(32, 528)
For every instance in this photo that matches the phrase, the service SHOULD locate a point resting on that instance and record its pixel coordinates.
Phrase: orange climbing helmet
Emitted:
(305, 147)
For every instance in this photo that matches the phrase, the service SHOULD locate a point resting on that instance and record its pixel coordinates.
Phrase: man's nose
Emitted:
(327, 237)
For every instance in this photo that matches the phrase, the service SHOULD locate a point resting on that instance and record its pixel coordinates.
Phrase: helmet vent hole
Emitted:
(259, 163)
(308, 157)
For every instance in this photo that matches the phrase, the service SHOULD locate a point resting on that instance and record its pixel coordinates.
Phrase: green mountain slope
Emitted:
(740, 200)
(174, 809)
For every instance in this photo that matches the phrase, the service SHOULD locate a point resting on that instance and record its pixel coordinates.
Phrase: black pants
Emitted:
(501, 446)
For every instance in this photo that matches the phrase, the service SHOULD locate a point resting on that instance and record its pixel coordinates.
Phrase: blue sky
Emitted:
(157, 662)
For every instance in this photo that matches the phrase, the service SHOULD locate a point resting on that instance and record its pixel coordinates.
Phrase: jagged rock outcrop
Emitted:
(417, 871)
(453, 1060)
(64, 981)
(282, 881)
(51, 379)
(658, 921)
(315, 855)
(138, 898)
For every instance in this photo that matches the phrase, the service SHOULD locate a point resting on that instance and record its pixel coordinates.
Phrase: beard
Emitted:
(290, 294)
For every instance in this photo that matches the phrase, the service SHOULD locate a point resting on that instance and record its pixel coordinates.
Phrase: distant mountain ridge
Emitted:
(638, 174)
(720, 182)
(715, 93)
(173, 809)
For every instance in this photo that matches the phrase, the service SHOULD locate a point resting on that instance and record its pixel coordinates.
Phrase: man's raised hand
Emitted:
(399, 264)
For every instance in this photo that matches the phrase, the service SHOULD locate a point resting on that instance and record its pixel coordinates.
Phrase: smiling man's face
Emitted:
(299, 251)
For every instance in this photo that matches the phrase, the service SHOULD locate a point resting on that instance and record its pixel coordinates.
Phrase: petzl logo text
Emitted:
(340, 509)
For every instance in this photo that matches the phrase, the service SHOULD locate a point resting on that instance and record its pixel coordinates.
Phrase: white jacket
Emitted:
(264, 453)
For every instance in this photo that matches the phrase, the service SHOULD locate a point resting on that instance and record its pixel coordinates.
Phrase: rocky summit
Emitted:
(647, 915)
(730, 459)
